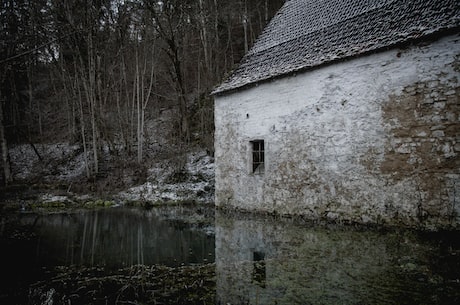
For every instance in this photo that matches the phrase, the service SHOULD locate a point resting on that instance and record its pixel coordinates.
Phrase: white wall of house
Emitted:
(372, 139)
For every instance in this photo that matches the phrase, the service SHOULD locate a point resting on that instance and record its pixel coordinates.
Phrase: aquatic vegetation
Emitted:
(135, 285)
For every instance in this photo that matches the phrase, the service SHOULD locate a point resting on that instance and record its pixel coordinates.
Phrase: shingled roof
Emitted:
(308, 33)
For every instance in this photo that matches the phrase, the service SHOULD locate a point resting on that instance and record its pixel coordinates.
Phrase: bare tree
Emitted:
(109, 66)
(144, 82)
(170, 19)
(4, 148)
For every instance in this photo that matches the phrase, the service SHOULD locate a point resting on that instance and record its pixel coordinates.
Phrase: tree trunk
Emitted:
(245, 28)
(4, 148)
(138, 110)
(142, 97)
(82, 129)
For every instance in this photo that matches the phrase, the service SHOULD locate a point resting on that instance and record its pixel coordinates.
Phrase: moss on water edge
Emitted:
(150, 204)
(47, 198)
(53, 206)
(65, 205)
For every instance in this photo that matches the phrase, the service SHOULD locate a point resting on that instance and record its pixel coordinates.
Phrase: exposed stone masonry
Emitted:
(424, 122)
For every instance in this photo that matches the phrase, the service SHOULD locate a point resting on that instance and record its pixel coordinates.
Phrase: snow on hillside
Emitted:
(166, 181)
(195, 182)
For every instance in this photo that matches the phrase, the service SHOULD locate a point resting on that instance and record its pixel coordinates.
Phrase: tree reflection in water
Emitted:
(258, 260)
(118, 237)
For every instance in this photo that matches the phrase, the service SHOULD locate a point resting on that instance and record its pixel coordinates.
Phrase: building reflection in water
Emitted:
(263, 260)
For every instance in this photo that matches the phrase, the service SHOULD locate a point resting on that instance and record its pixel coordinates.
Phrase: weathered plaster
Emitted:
(372, 139)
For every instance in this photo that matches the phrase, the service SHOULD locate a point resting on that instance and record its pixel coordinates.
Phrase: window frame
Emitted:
(257, 156)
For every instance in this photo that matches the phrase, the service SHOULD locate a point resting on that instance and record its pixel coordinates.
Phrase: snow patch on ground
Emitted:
(197, 184)
(193, 180)
(53, 198)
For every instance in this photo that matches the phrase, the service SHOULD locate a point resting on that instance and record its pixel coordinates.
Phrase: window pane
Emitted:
(255, 157)
(258, 156)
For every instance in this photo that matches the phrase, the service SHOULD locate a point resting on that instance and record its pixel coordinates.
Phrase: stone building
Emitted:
(346, 110)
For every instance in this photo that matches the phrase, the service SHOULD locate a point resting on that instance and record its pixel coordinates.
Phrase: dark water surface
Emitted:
(258, 260)
(111, 238)
(116, 238)
(270, 261)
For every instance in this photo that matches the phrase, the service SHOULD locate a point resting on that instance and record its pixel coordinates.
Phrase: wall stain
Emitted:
(423, 127)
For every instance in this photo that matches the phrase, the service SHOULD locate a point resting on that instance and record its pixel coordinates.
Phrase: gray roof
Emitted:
(308, 33)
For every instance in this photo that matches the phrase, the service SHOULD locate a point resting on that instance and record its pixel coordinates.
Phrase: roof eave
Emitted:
(438, 34)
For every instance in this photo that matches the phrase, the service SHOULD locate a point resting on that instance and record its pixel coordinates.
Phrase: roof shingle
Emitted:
(308, 33)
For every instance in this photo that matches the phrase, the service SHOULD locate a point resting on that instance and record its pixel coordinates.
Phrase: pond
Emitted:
(117, 237)
(110, 238)
(193, 255)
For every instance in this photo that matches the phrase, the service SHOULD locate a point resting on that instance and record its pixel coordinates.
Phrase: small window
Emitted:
(258, 156)
(259, 272)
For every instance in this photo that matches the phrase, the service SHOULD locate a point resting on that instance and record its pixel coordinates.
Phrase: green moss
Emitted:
(158, 203)
(99, 203)
(49, 205)
(89, 204)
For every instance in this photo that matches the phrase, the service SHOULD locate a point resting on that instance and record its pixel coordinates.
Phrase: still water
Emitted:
(257, 260)
(270, 261)
(117, 238)
(111, 238)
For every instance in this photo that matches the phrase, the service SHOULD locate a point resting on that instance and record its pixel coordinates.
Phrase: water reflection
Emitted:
(117, 238)
(258, 260)
(269, 261)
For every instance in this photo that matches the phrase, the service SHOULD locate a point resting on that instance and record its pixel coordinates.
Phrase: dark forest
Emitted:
(96, 72)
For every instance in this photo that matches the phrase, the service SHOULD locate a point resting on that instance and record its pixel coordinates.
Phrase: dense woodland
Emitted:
(95, 72)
